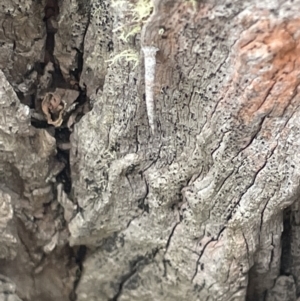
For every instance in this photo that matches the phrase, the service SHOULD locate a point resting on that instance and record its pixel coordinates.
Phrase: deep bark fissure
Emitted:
(79, 257)
(62, 133)
(286, 246)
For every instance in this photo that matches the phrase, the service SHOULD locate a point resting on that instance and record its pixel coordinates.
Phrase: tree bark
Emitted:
(103, 200)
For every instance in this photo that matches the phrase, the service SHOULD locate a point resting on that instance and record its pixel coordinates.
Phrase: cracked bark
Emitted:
(96, 207)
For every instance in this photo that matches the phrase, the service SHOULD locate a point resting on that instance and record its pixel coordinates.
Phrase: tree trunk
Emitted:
(149, 150)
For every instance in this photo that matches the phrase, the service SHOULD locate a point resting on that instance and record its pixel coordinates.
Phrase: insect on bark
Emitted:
(150, 64)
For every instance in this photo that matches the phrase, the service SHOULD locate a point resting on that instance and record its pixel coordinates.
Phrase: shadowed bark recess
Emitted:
(96, 205)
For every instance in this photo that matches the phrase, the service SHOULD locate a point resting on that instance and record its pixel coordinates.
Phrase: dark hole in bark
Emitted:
(286, 242)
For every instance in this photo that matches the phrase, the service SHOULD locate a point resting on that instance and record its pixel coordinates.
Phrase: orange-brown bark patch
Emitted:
(270, 54)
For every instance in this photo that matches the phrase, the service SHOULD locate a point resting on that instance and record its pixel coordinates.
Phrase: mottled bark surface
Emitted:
(96, 206)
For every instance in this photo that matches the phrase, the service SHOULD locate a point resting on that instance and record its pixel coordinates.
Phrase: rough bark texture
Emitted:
(95, 205)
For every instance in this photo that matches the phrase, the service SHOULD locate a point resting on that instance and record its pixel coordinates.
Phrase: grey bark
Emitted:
(95, 205)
